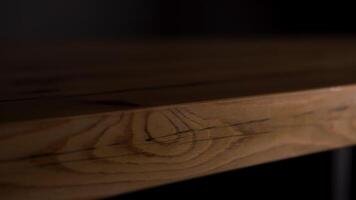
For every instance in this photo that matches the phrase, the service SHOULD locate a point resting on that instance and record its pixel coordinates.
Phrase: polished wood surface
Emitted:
(92, 120)
(107, 154)
(52, 80)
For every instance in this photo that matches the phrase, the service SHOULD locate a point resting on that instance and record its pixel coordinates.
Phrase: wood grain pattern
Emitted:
(100, 155)
(54, 80)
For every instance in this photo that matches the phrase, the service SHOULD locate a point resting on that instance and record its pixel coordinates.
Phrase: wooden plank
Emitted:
(91, 120)
(93, 156)
(54, 80)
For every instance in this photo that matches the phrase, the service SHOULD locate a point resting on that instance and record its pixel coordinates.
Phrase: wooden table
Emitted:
(95, 119)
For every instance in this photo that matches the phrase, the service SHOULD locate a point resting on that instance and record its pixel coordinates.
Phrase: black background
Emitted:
(111, 19)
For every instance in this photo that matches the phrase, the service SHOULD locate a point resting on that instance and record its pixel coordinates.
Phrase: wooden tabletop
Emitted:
(94, 77)
(96, 119)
